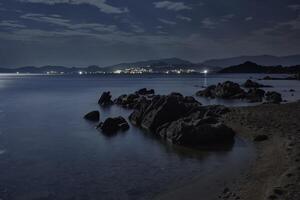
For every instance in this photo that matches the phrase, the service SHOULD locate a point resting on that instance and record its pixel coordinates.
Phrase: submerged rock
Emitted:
(105, 99)
(93, 116)
(113, 125)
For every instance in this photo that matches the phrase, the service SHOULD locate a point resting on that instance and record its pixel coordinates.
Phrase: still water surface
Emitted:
(47, 151)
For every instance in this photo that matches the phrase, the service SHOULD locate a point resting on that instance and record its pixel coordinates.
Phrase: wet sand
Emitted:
(274, 174)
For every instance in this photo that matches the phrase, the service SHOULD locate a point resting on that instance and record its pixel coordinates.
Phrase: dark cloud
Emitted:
(103, 32)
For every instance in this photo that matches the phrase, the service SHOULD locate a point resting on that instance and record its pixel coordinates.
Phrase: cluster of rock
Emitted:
(110, 125)
(182, 120)
(231, 90)
(134, 100)
(179, 119)
(114, 125)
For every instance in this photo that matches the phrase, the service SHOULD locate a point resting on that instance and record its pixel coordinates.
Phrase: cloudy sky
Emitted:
(104, 32)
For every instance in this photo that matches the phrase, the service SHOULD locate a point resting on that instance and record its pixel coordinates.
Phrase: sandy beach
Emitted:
(274, 173)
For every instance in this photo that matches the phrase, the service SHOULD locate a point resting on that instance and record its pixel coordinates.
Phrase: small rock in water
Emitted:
(93, 116)
(105, 99)
(113, 125)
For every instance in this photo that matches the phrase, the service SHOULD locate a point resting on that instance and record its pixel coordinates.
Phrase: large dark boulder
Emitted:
(105, 99)
(113, 125)
(193, 131)
(92, 116)
(163, 109)
(255, 95)
(252, 84)
(145, 91)
(183, 120)
(273, 97)
(229, 90)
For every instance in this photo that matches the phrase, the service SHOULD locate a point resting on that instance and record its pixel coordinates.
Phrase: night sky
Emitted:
(104, 32)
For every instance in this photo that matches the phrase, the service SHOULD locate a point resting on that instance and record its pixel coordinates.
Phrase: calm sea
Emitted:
(47, 151)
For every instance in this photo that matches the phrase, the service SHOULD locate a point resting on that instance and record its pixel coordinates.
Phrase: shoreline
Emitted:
(275, 172)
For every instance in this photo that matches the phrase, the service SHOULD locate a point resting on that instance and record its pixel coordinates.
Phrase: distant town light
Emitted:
(117, 71)
(80, 72)
(205, 71)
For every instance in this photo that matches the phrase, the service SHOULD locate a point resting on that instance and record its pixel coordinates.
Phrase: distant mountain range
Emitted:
(155, 66)
(266, 60)
(172, 64)
(250, 67)
(50, 69)
(158, 62)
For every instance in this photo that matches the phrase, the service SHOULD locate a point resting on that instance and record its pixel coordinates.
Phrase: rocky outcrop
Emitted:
(189, 131)
(273, 97)
(230, 90)
(134, 100)
(226, 90)
(252, 84)
(93, 116)
(105, 99)
(113, 125)
(163, 109)
(182, 120)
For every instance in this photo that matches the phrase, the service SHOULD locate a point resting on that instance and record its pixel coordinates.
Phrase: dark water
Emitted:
(47, 151)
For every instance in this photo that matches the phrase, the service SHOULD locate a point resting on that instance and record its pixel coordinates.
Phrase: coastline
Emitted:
(275, 172)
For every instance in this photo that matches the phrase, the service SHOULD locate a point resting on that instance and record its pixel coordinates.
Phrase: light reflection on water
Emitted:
(52, 153)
